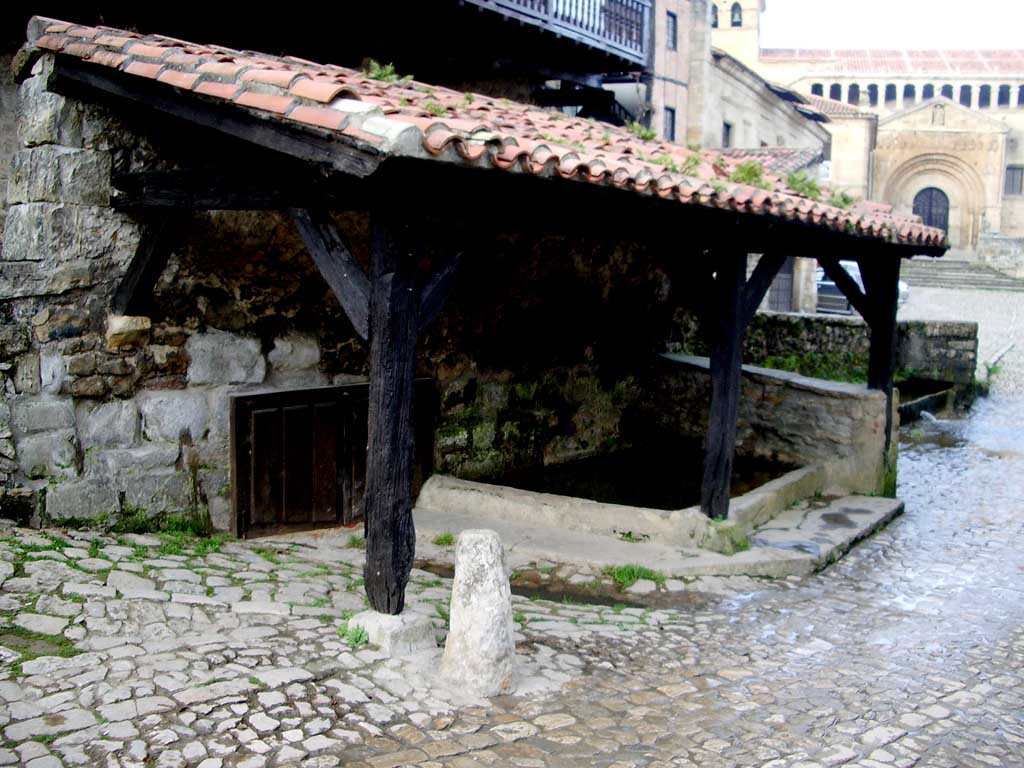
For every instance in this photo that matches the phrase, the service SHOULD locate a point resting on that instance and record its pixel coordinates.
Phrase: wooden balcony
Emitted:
(617, 27)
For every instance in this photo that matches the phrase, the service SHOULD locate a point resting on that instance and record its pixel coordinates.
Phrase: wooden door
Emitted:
(299, 456)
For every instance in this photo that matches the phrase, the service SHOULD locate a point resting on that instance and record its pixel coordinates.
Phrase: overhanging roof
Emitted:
(371, 120)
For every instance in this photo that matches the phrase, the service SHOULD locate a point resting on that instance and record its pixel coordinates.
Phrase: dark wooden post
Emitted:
(394, 302)
(726, 359)
(881, 276)
(734, 302)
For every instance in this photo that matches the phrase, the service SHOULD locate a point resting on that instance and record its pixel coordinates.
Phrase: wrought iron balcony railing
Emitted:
(618, 27)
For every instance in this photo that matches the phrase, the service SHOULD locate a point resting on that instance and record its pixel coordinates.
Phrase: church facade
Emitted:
(936, 132)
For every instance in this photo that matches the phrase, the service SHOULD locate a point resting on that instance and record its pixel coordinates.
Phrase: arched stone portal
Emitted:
(957, 181)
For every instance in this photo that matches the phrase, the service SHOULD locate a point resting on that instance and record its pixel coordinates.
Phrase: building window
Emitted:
(853, 94)
(928, 92)
(1014, 180)
(737, 15)
(817, 89)
(1020, 96)
(714, 17)
(671, 30)
(670, 124)
(726, 135)
(965, 95)
(985, 97)
(909, 95)
(835, 92)
(890, 94)
(947, 92)
(873, 95)
(1004, 95)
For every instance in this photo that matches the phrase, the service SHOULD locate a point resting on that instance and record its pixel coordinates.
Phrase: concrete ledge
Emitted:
(399, 635)
(798, 541)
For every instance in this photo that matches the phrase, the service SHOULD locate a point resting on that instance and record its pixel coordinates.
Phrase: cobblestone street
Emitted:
(909, 651)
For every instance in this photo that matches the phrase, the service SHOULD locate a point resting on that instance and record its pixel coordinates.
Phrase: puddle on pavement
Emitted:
(537, 585)
(838, 520)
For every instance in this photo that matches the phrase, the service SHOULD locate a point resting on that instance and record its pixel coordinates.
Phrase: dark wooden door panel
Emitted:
(326, 488)
(266, 467)
(298, 464)
(299, 457)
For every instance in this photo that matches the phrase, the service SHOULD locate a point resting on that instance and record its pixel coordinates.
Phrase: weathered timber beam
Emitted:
(758, 283)
(340, 269)
(845, 283)
(135, 289)
(78, 79)
(390, 532)
(233, 189)
(726, 360)
(436, 291)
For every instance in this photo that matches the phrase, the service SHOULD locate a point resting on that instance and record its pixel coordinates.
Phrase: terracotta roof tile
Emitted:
(415, 119)
(186, 80)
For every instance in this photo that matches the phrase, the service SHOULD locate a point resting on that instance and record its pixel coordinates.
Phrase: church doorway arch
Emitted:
(932, 205)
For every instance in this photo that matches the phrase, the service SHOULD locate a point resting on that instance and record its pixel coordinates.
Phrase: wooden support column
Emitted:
(881, 276)
(394, 311)
(134, 293)
(735, 301)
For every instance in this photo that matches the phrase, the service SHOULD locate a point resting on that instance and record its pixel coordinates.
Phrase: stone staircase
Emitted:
(946, 273)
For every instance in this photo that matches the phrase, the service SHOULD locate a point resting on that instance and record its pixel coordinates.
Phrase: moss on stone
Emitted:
(727, 537)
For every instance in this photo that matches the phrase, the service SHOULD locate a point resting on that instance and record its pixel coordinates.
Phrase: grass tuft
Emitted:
(625, 576)
(445, 539)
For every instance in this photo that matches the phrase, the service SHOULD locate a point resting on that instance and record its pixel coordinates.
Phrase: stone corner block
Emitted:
(81, 499)
(219, 357)
(127, 332)
(398, 635)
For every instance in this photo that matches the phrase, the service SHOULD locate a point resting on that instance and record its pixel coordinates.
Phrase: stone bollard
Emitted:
(480, 651)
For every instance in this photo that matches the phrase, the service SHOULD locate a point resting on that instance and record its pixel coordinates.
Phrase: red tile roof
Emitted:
(835, 108)
(407, 118)
(776, 161)
(878, 62)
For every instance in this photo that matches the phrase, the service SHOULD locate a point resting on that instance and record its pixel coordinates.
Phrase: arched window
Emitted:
(835, 92)
(947, 91)
(714, 17)
(985, 97)
(1004, 95)
(932, 205)
(928, 92)
(890, 95)
(909, 95)
(853, 94)
(737, 15)
(817, 89)
(965, 95)
(873, 95)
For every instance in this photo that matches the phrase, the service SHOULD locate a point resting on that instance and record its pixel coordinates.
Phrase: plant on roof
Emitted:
(435, 109)
(468, 97)
(667, 161)
(386, 73)
(641, 131)
(694, 146)
(804, 185)
(750, 172)
(690, 166)
(840, 199)
(718, 186)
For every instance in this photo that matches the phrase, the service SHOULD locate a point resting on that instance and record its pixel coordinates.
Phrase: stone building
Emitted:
(163, 350)
(937, 133)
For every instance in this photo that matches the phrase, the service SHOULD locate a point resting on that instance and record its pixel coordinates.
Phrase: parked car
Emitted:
(832, 301)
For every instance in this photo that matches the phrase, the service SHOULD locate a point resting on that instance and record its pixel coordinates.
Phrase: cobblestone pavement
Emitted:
(138, 651)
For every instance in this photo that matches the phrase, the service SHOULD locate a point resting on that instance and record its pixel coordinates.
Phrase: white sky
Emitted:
(893, 24)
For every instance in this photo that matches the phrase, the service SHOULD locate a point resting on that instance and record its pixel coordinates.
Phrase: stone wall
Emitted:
(932, 349)
(1003, 253)
(782, 416)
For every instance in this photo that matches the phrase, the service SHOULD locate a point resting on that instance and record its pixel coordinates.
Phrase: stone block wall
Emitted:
(782, 416)
(1002, 253)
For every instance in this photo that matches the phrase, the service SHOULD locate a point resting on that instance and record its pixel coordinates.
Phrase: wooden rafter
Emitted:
(135, 289)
